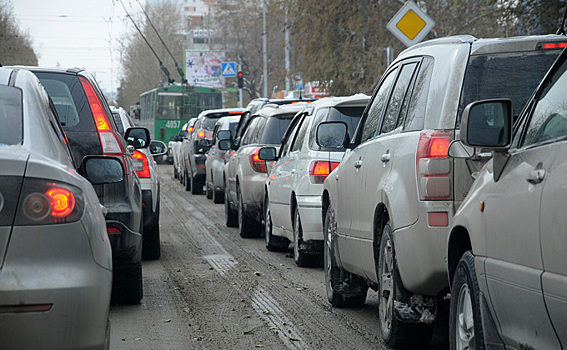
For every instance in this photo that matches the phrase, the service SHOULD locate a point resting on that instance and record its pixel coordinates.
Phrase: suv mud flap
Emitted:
(420, 309)
(126, 244)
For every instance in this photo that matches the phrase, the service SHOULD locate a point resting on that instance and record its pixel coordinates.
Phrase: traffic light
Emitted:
(240, 76)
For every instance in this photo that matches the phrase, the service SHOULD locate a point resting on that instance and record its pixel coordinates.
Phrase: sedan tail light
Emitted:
(140, 162)
(44, 202)
(320, 169)
(257, 164)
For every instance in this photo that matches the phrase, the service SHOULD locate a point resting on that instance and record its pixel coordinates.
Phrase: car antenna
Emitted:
(561, 30)
(179, 70)
(163, 68)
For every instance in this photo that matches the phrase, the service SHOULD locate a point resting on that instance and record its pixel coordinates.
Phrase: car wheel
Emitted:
(151, 249)
(247, 227)
(175, 176)
(218, 196)
(196, 183)
(186, 181)
(302, 257)
(395, 333)
(340, 291)
(230, 216)
(127, 285)
(208, 192)
(273, 243)
(465, 327)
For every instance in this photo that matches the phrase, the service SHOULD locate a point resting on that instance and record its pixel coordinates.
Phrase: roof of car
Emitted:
(343, 101)
(271, 109)
(222, 110)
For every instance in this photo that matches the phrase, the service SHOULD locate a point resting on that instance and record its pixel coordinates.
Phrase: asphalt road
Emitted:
(212, 289)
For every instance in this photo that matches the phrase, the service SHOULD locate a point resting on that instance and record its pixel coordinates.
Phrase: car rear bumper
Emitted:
(126, 244)
(310, 213)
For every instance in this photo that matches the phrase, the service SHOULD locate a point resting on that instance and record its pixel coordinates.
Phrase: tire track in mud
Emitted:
(286, 306)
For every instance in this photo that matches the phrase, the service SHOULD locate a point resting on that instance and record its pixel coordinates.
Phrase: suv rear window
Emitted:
(275, 128)
(70, 101)
(11, 130)
(513, 75)
(349, 115)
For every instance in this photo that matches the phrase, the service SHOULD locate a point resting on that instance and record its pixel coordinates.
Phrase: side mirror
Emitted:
(139, 137)
(487, 124)
(223, 135)
(100, 170)
(158, 148)
(332, 135)
(267, 154)
(458, 150)
(225, 145)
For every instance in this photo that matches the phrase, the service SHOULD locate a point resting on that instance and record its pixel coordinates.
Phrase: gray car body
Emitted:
(67, 265)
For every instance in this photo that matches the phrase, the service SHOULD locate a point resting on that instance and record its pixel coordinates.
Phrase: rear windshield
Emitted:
(11, 123)
(505, 75)
(275, 128)
(209, 122)
(118, 122)
(349, 115)
(232, 127)
(70, 100)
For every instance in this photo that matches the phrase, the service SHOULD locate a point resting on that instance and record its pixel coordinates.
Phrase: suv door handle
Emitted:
(386, 157)
(536, 176)
(358, 163)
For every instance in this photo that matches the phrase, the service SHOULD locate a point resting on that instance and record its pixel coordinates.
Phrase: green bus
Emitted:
(164, 110)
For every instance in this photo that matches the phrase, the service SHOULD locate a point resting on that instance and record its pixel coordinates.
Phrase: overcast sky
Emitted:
(77, 33)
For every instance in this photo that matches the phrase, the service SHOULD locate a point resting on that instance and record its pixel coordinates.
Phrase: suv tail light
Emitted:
(320, 169)
(110, 144)
(140, 163)
(433, 165)
(256, 163)
(44, 202)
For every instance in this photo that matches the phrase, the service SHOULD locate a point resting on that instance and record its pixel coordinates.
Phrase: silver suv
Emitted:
(506, 248)
(388, 205)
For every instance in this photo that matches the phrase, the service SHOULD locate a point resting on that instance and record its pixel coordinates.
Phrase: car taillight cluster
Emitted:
(435, 171)
(257, 164)
(320, 169)
(40, 202)
(108, 138)
(141, 165)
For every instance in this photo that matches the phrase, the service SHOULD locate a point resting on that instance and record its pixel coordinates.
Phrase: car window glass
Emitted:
(249, 132)
(288, 139)
(549, 118)
(275, 129)
(11, 129)
(298, 140)
(415, 116)
(376, 110)
(316, 120)
(63, 100)
(118, 122)
(398, 94)
(232, 127)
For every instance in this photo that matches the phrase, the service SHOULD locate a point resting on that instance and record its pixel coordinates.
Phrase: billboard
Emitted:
(203, 68)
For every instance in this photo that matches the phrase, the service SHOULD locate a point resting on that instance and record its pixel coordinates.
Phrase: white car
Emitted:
(214, 165)
(146, 169)
(292, 206)
(174, 146)
(55, 254)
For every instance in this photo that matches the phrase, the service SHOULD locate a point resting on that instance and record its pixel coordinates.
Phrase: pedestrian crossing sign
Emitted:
(228, 69)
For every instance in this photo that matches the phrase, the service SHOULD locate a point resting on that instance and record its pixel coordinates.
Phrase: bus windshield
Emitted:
(170, 106)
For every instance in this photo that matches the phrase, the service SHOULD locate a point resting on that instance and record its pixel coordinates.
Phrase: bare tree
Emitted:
(15, 45)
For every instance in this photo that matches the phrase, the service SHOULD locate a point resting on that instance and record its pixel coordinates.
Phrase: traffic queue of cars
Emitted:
(483, 264)
(71, 209)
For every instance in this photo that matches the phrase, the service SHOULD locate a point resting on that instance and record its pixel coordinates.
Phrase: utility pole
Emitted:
(265, 48)
(287, 53)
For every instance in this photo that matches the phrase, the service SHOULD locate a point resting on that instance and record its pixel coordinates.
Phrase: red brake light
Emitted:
(235, 112)
(549, 46)
(140, 162)
(190, 129)
(433, 166)
(439, 147)
(319, 170)
(257, 164)
(201, 134)
(62, 201)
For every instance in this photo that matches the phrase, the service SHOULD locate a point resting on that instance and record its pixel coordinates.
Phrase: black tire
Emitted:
(395, 333)
(218, 196)
(247, 227)
(464, 301)
(302, 257)
(127, 285)
(151, 249)
(186, 181)
(196, 183)
(335, 277)
(230, 216)
(273, 243)
(208, 192)
(175, 176)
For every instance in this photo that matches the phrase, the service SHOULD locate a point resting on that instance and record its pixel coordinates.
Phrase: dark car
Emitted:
(87, 121)
(196, 146)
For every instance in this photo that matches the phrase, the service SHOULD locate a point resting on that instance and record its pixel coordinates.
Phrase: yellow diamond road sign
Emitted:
(410, 24)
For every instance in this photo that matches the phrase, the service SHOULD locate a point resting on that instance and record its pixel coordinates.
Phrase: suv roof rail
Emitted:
(74, 70)
(456, 39)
